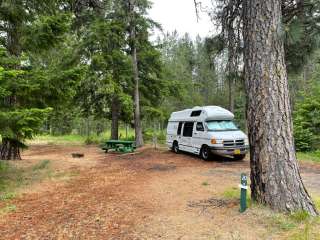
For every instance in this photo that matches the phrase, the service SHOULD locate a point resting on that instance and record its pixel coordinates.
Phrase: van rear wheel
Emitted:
(239, 157)
(205, 153)
(175, 147)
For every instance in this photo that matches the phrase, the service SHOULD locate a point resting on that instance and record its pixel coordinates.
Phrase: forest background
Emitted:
(68, 69)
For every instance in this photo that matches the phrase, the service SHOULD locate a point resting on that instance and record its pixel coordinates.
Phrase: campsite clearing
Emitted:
(152, 194)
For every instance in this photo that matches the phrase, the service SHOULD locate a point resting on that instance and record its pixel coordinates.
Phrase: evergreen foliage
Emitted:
(67, 66)
(307, 120)
(33, 77)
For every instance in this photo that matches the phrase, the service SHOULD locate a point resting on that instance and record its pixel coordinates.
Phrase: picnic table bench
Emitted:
(119, 146)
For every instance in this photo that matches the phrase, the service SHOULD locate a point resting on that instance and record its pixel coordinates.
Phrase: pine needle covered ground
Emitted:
(149, 195)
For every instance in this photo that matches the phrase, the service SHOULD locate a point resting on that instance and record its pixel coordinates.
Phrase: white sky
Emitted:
(180, 15)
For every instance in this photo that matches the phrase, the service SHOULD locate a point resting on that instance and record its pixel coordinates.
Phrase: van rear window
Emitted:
(196, 113)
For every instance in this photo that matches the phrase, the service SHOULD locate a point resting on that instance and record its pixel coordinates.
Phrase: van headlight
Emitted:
(216, 141)
(246, 141)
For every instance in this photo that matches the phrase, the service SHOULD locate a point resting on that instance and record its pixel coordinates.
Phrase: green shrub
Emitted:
(148, 135)
(309, 156)
(317, 153)
(307, 120)
(92, 140)
(304, 138)
(129, 138)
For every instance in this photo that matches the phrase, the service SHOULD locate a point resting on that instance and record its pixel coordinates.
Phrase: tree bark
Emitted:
(231, 85)
(115, 113)
(137, 116)
(9, 150)
(231, 68)
(275, 176)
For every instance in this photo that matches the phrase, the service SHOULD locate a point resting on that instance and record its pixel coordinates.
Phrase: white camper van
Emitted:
(206, 130)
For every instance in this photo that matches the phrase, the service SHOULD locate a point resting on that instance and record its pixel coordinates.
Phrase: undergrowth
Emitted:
(296, 226)
(13, 177)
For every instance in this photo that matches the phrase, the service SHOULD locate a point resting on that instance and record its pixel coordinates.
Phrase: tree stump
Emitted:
(77, 155)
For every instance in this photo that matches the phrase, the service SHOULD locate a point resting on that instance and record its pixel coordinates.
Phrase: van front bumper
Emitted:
(224, 151)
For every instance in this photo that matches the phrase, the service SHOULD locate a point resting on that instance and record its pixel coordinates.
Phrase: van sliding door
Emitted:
(186, 138)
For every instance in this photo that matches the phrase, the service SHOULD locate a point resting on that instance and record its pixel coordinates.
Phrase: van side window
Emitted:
(179, 128)
(188, 129)
(199, 127)
(196, 113)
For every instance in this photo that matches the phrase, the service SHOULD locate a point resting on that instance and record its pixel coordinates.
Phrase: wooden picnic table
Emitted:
(119, 146)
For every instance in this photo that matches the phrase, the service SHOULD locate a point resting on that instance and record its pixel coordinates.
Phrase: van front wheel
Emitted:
(175, 147)
(205, 153)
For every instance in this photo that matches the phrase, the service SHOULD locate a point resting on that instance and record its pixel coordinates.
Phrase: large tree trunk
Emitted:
(9, 150)
(115, 112)
(231, 69)
(231, 91)
(137, 117)
(275, 177)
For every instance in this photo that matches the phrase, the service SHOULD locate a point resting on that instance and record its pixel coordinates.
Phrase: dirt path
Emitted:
(149, 195)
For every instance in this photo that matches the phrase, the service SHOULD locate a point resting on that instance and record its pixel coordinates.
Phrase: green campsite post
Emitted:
(243, 194)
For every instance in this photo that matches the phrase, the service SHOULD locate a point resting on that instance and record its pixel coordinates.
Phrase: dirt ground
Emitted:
(153, 194)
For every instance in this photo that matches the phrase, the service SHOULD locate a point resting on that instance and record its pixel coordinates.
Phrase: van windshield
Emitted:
(222, 125)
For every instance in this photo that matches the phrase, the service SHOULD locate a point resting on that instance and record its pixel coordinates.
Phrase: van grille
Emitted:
(232, 143)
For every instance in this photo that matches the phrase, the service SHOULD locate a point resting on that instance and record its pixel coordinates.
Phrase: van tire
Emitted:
(205, 153)
(175, 147)
(239, 157)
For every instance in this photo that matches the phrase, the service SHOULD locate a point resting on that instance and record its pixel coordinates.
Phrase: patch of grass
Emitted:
(300, 216)
(76, 139)
(83, 139)
(317, 202)
(296, 226)
(41, 165)
(232, 193)
(307, 229)
(309, 156)
(10, 176)
(205, 184)
(7, 209)
(281, 222)
(65, 175)
(13, 177)
(3, 166)
(65, 139)
(7, 196)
